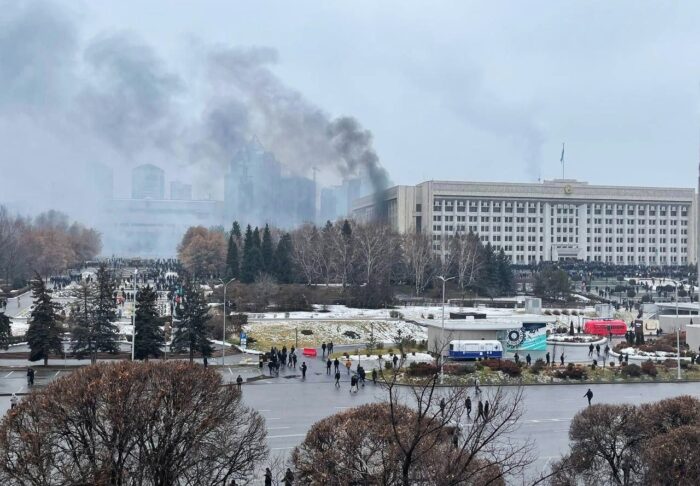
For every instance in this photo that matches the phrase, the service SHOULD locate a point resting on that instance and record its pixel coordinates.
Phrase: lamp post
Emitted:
(442, 332)
(133, 320)
(678, 336)
(223, 331)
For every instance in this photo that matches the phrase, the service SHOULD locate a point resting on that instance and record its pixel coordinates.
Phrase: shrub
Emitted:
(306, 332)
(648, 368)
(572, 372)
(431, 316)
(507, 367)
(388, 365)
(548, 312)
(556, 312)
(632, 371)
(459, 369)
(395, 314)
(422, 369)
(538, 367)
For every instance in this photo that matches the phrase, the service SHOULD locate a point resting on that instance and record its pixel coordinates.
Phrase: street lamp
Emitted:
(133, 320)
(678, 335)
(223, 333)
(442, 332)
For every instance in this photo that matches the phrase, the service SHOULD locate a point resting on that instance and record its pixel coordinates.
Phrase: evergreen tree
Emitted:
(44, 333)
(5, 331)
(267, 250)
(149, 335)
(488, 283)
(236, 232)
(232, 263)
(94, 329)
(257, 242)
(505, 274)
(283, 263)
(190, 332)
(252, 264)
(347, 229)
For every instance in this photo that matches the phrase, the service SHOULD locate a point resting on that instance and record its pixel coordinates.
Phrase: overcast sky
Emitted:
(457, 90)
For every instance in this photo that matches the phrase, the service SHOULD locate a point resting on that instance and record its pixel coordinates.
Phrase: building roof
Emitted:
(473, 325)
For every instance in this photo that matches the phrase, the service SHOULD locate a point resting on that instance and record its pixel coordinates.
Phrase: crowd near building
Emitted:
(554, 220)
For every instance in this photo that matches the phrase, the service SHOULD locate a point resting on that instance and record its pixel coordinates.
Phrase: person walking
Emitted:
(561, 359)
(268, 477)
(479, 410)
(477, 388)
(336, 364)
(607, 351)
(294, 361)
(468, 406)
(597, 349)
(239, 382)
(589, 395)
(30, 376)
(590, 350)
(328, 366)
(288, 478)
(13, 401)
(395, 360)
(323, 350)
(548, 358)
(303, 370)
(528, 359)
(442, 406)
(330, 347)
(348, 365)
(486, 410)
(374, 375)
(516, 358)
(337, 379)
(361, 375)
(353, 384)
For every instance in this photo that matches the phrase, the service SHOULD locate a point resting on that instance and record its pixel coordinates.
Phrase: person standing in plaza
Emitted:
(353, 384)
(486, 410)
(348, 365)
(468, 406)
(479, 410)
(323, 350)
(561, 358)
(337, 379)
(303, 370)
(548, 358)
(374, 375)
(239, 382)
(328, 366)
(589, 395)
(13, 401)
(336, 364)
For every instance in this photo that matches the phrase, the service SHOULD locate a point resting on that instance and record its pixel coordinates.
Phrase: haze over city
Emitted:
(462, 90)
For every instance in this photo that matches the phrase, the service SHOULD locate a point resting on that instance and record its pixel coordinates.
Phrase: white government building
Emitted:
(562, 219)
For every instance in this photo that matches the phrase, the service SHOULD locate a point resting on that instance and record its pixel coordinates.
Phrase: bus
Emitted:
(475, 349)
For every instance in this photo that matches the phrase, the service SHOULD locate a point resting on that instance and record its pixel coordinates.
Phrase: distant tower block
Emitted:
(180, 191)
(148, 182)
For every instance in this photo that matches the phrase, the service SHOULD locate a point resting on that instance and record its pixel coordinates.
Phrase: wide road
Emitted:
(290, 405)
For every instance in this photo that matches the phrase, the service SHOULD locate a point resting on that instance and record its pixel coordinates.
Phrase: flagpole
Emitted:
(562, 161)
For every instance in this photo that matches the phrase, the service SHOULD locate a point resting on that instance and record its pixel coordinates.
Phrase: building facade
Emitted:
(563, 219)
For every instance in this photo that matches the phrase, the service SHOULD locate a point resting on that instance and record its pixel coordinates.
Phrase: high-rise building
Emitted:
(147, 182)
(256, 191)
(180, 191)
(555, 220)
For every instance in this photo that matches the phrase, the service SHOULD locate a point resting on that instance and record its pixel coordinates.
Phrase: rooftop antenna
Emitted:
(562, 160)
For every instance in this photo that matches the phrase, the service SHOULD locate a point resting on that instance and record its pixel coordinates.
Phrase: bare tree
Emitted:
(305, 247)
(466, 253)
(419, 258)
(126, 423)
(374, 242)
(416, 437)
(342, 241)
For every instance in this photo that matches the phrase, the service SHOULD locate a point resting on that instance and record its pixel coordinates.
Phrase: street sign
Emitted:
(244, 340)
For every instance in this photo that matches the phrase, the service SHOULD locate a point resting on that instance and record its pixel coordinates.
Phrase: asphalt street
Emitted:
(290, 406)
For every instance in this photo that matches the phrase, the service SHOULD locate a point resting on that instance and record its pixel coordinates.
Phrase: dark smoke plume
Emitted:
(112, 101)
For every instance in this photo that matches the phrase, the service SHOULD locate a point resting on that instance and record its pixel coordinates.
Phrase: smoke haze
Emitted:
(69, 104)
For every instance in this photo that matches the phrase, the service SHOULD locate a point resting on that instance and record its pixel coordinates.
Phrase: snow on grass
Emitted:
(341, 332)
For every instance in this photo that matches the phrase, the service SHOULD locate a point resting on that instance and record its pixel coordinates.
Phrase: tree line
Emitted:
(93, 313)
(345, 253)
(48, 244)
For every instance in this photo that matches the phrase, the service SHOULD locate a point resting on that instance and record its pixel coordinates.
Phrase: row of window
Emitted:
(631, 209)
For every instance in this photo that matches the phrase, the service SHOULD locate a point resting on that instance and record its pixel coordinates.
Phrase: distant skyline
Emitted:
(476, 91)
